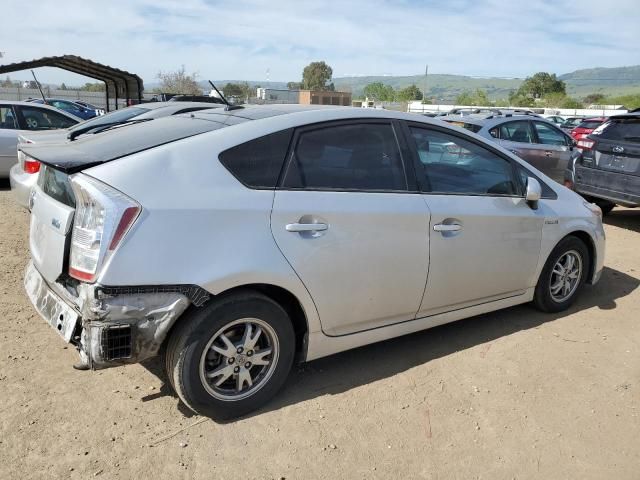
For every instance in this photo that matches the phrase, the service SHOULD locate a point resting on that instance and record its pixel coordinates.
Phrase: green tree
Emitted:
(238, 90)
(63, 86)
(380, 92)
(316, 75)
(477, 98)
(294, 85)
(541, 84)
(93, 87)
(412, 92)
(594, 99)
(179, 82)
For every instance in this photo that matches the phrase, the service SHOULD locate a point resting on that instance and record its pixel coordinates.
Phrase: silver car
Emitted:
(19, 117)
(238, 240)
(23, 176)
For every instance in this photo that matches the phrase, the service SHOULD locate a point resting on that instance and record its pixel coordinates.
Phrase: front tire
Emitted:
(562, 276)
(231, 356)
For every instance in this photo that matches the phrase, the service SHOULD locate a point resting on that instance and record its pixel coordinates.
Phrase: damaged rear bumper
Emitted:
(107, 329)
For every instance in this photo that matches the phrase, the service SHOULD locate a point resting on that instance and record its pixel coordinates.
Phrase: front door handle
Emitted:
(306, 227)
(548, 153)
(451, 227)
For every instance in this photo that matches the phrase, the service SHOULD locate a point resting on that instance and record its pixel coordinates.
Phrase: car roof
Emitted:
(492, 120)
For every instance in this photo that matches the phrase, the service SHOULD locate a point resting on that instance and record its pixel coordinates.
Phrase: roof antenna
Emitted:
(38, 85)
(226, 102)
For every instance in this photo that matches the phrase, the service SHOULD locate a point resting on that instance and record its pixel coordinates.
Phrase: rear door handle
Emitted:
(443, 227)
(306, 227)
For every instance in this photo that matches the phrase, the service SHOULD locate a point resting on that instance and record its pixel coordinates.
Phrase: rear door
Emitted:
(348, 219)
(554, 150)
(484, 238)
(518, 137)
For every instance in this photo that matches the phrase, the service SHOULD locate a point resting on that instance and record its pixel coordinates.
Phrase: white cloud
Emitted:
(244, 38)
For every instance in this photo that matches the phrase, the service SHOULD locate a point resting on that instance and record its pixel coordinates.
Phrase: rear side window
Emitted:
(257, 163)
(624, 130)
(516, 132)
(44, 119)
(363, 157)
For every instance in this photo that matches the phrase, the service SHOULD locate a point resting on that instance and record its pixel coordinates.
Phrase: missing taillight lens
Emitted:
(102, 218)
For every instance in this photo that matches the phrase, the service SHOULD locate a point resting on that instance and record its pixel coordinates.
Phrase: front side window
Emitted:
(362, 157)
(44, 119)
(516, 132)
(547, 135)
(7, 118)
(453, 165)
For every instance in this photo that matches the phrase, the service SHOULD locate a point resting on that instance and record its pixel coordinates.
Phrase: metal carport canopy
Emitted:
(119, 84)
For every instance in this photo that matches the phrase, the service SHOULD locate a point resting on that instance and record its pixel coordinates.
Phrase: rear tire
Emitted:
(231, 356)
(562, 276)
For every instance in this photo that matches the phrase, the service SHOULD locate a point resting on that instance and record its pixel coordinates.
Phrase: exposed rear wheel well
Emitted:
(286, 300)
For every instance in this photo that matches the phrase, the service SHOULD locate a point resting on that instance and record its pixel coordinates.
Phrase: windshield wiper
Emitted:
(102, 127)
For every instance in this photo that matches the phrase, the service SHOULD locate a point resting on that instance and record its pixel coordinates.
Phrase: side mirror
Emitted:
(534, 192)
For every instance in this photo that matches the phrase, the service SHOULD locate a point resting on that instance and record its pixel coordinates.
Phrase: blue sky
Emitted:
(242, 39)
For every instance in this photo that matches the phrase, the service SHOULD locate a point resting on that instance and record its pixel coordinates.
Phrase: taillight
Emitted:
(28, 164)
(102, 218)
(586, 144)
(31, 166)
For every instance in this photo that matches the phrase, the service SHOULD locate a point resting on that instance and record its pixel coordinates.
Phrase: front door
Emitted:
(347, 223)
(484, 238)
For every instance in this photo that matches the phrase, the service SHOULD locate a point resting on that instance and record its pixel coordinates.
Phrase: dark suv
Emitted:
(609, 171)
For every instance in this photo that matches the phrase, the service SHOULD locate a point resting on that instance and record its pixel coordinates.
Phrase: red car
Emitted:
(587, 126)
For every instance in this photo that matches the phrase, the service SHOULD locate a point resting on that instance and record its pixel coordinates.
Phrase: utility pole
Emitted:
(424, 88)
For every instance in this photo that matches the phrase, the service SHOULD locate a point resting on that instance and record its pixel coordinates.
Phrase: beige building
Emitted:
(309, 97)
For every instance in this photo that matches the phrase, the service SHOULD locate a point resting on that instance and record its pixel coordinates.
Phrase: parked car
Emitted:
(587, 126)
(571, 122)
(68, 106)
(15, 117)
(609, 171)
(557, 120)
(532, 138)
(238, 240)
(24, 177)
(99, 111)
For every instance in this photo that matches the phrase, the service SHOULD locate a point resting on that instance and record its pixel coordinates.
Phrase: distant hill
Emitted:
(608, 81)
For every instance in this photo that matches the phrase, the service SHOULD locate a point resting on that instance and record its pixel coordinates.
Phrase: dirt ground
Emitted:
(512, 394)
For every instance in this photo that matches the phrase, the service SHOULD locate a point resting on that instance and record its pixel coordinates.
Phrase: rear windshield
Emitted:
(590, 125)
(117, 116)
(467, 126)
(56, 184)
(621, 129)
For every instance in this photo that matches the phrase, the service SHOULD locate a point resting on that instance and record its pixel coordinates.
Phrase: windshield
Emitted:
(590, 125)
(113, 117)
